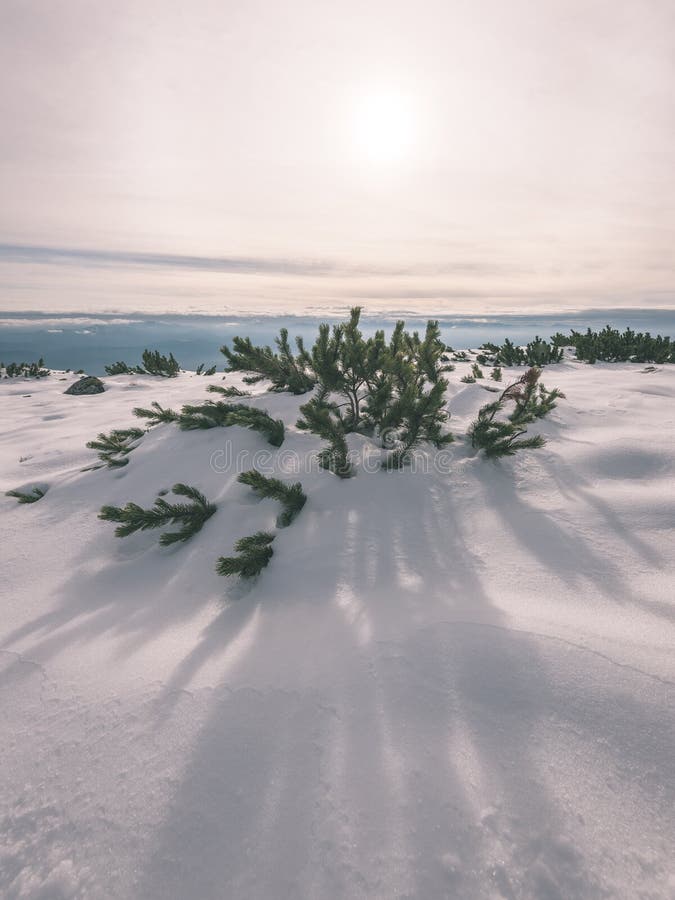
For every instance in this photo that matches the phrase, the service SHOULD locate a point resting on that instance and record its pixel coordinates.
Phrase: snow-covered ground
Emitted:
(452, 683)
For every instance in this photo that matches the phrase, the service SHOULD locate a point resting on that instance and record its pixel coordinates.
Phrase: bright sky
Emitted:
(463, 155)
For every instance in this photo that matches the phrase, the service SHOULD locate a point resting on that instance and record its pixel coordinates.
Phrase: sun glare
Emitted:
(384, 128)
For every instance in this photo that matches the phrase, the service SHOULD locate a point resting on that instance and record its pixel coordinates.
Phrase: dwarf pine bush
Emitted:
(536, 353)
(253, 554)
(121, 368)
(290, 496)
(611, 345)
(504, 436)
(154, 363)
(499, 437)
(25, 369)
(190, 516)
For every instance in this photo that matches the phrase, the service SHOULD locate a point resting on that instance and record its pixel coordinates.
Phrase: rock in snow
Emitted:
(90, 384)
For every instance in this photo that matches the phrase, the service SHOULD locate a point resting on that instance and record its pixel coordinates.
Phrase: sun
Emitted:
(385, 127)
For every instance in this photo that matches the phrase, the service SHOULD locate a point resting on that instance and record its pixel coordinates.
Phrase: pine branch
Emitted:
(260, 420)
(290, 496)
(156, 415)
(320, 417)
(254, 553)
(284, 370)
(190, 516)
(114, 447)
(216, 414)
(422, 416)
(497, 437)
(229, 391)
(32, 496)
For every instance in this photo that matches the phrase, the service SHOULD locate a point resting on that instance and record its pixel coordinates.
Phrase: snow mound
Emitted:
(451, 681)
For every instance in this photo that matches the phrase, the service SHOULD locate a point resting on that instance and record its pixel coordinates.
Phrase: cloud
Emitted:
(239, 265)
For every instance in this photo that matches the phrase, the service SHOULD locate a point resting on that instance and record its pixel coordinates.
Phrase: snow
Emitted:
(453, 682)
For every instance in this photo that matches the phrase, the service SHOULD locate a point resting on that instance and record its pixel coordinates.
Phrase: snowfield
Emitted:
(457, 681)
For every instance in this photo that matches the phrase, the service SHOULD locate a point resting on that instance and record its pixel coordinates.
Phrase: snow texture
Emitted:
(453, 683)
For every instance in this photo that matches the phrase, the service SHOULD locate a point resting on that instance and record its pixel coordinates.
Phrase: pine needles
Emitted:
(229, 391)
(157, 414)
(31, 496)
(154, 363)
(290, 496)
(323, 419)
(503, 437)
(215, 414)
(254, 553)
(421, 416)
(498, 437)
(190, 516)
(114, 448)
(286, 371)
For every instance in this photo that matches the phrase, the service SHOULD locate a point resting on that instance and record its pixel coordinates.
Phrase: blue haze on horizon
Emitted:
(90, 342)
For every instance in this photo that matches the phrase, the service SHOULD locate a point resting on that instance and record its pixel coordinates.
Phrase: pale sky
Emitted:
(472, 156)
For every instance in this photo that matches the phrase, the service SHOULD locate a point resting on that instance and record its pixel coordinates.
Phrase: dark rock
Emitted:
(90, 384)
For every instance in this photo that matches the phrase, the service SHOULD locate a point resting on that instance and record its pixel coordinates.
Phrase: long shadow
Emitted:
(575, 485)
(559, 550)
(376, 777)
(123, 599)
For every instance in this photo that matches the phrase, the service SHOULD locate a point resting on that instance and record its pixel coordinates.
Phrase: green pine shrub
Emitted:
(499, 437)
(611, 345)
(25, 369)
(504, 436)
(121, 368)
(154, 363)
(536, 353)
